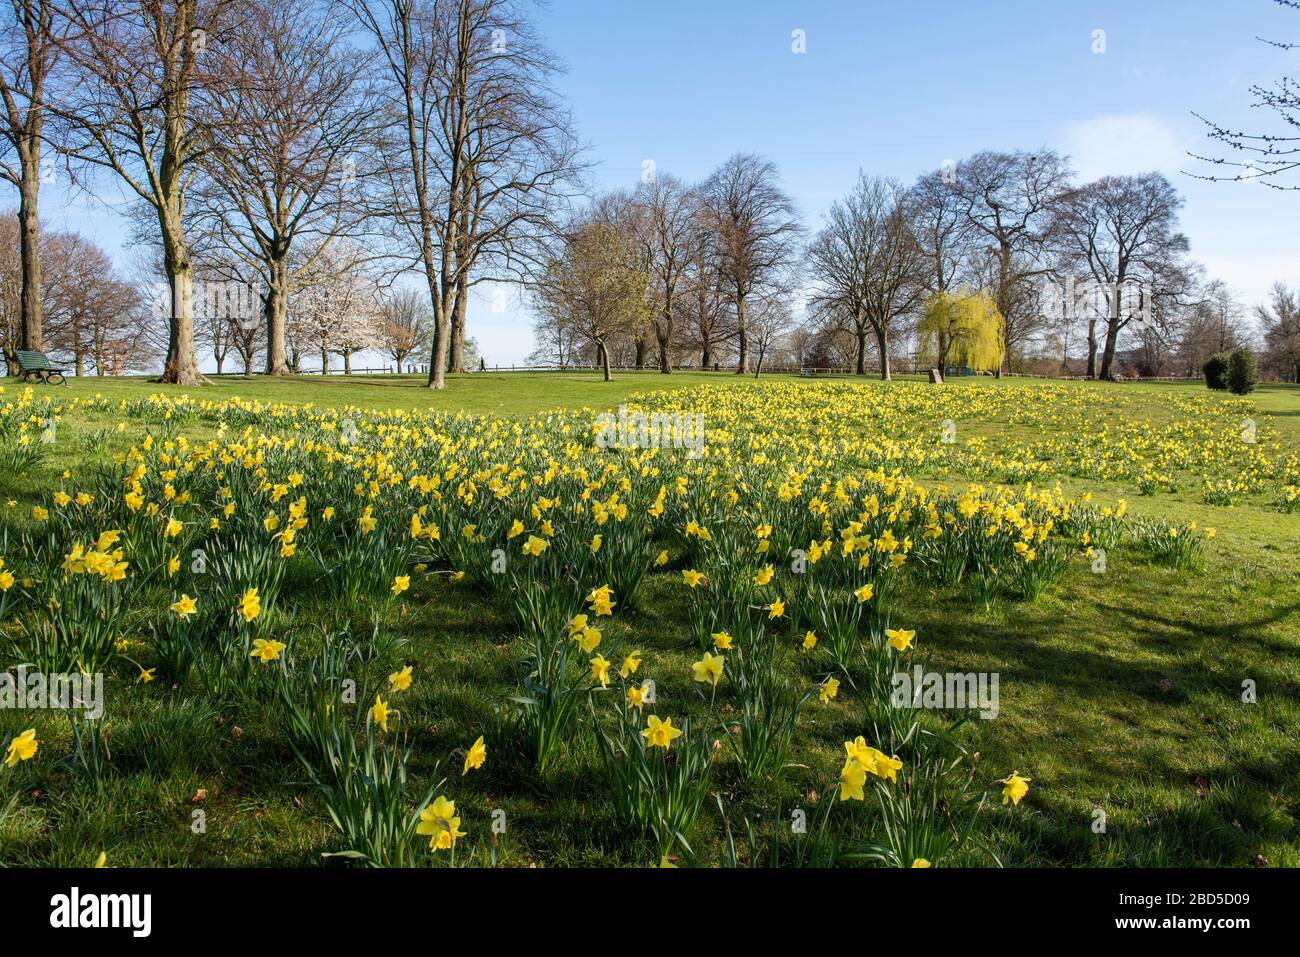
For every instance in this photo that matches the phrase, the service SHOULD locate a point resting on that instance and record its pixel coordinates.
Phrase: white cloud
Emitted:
(1117, 145)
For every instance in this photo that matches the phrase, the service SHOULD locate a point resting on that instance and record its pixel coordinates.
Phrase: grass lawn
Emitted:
(1121, 693)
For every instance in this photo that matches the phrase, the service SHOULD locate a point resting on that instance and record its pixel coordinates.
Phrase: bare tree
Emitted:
(668, 228)
(868, 265)
(138, 107)
(940, 226)
(756, 228)
(706, 307)
(771, 321)
(1123, 230)
(1280, 325)
(487, 149)
(90, 310)
(1009, 200)
(285, 150)
(29, 52)
(11, 292)
(406, 324)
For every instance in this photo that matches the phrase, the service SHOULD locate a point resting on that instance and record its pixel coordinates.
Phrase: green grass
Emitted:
(1119, 692)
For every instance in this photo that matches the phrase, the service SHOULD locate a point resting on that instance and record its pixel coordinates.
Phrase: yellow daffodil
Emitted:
(379, 713)
(852, 780)
(600, 670)
(1014, 788)
(660, 734)
(475, 756)
(829, 689)
(900, 639)
(22, 748)
(440, 823)
(708, 670)
(250, 606)
(265, 649)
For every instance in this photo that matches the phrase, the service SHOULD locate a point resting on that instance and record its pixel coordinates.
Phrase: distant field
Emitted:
(1121, 689)
(521, 393)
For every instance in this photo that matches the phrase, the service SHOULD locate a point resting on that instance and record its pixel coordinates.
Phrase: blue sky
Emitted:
(898, 88)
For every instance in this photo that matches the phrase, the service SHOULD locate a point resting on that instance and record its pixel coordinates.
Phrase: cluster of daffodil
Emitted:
(1289, 502)
(1178, 546)
(74, 606)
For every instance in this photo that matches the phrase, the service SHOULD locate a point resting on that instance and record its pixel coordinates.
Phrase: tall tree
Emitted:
(90, 310)
(139, 103)
(486, 148)
(941, 229)
(285, 157)
(1124, 232)
(756, 228)
(1280, 324)
(29, 50)
(406, 324)
(1009, 200)
(868, 265)
(706, 306)
(668, 224)
(592, 288)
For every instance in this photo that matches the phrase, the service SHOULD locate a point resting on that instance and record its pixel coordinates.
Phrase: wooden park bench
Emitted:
(38, 364)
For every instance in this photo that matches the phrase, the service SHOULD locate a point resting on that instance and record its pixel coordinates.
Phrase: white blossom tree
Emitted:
(339, 308)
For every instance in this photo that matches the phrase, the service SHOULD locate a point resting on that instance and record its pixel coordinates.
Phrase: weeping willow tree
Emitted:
(962, 329)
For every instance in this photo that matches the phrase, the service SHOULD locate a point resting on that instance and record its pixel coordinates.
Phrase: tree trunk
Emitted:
(604, 360)
(181, 367)
(458, 326)
(1108, 354)
(639, 361)
(665, 366)
(882, 339)
(706, 359)
(1092, 348)
(277, 309)
(862, 351)
(742, 363)
(440, 348)
(30, 251)
(221, 360)
(347, 362)
(324, 362)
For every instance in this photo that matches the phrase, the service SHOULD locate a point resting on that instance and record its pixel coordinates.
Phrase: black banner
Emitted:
(338, 905)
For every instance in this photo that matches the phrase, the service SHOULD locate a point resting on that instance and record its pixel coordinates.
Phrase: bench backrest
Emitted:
(34, 361)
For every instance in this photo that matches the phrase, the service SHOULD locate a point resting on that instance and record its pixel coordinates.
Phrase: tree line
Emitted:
(999, 262)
